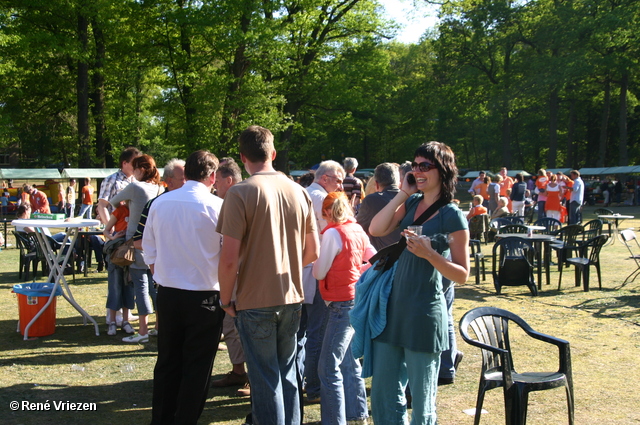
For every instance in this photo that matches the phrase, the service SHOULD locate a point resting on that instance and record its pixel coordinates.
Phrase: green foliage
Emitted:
(509, 83)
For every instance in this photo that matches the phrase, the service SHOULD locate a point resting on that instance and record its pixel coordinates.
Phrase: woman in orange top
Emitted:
(481, 189)
(554, 195)
(87, 198)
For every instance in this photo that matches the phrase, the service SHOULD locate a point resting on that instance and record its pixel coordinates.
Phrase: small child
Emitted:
(118, 222)
(478, 208)
(4, 202)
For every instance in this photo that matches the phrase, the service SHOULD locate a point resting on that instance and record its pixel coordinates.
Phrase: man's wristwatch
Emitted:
(223, 306)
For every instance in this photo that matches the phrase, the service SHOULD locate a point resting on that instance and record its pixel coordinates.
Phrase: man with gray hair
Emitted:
(328, 178)
(386, 177)
(352, 185)
(228, 174)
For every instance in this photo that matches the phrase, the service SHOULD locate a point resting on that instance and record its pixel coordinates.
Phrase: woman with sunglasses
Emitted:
(408, 350)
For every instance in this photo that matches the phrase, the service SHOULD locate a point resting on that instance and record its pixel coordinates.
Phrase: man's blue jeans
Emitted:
(575, 212)
(268, 338)
(342, 391)
(448, 357)
(316, 323)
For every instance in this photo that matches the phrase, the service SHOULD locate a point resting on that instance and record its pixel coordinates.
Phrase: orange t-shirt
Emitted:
(122, 214)
(481, 189)
(505, 185)
(87, 193)
(477, 210)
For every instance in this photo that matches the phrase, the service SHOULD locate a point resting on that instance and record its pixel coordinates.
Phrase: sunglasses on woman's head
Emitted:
(423, 166)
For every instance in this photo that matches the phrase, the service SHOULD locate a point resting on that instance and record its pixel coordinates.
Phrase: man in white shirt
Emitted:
(476, 182)
(328, 178)
(577, 198)
(182, 248)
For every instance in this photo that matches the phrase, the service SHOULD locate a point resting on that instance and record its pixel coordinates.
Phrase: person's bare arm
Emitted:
(103, 210)
(311, 248)
(228, 271)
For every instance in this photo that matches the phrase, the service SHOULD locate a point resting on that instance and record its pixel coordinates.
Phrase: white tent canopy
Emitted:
(94, 173)
(29, 173)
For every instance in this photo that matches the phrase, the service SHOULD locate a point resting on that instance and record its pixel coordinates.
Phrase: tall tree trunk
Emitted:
(554, 106)
(623, 157)
(231, 111)
(570, 161)
(97, 96)
(82, 90)
(506, 139)
(604, 121)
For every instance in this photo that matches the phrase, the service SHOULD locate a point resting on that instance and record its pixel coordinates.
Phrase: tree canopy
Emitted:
(522, 84)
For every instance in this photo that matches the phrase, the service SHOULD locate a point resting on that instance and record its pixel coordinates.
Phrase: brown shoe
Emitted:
(245, 391)
(231, 379)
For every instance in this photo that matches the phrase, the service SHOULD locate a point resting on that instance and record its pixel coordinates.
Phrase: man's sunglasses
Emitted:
(423, 166)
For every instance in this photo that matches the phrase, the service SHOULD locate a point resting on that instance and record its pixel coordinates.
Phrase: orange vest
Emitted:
(340, 282)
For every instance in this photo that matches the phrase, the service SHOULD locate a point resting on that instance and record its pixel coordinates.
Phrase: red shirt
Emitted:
(39, 202)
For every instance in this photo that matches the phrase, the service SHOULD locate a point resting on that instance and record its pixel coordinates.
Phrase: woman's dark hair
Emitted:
(443, 157)
(147, 164)
(519, 178)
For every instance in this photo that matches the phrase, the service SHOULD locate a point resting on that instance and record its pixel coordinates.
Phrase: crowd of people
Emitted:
(552, 195)
(272, 264)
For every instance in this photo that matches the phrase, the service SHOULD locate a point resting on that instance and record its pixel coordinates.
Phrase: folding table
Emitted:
(57, 262)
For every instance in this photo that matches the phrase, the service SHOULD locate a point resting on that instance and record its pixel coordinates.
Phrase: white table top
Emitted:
(535, 236)
(54, 223)
(616, 216)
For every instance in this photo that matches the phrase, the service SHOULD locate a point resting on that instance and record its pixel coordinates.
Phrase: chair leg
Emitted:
(570, 405)
(479, 402)
(578, 283)
(599, 276)
(560, 278)
(477, 269)
(585, 278)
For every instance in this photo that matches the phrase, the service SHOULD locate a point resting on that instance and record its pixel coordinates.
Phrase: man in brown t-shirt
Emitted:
(269, 234)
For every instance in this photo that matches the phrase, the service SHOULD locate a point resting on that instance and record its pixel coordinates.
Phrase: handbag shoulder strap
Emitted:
(392, 252)
(429, 212)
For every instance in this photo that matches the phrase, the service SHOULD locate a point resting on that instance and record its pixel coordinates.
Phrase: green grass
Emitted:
(602, 326)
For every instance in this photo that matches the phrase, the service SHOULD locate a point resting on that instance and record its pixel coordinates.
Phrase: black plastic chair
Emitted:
(478, 257)
(491, 328)
(605, 211)
(497, 223)
(513, 264)
(551, 225)
(514, 228)
(567, 243)
(592, 229)
(28, 255)
(514, 219)
(589, 256)
(627, 236)
(40, 258)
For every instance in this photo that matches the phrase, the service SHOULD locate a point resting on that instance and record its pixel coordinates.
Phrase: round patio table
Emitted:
(617, 218)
